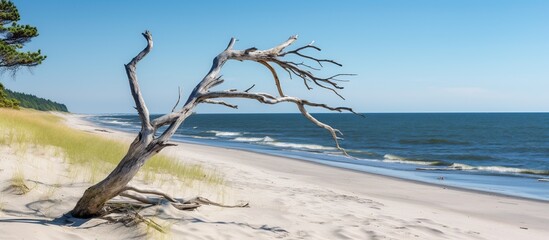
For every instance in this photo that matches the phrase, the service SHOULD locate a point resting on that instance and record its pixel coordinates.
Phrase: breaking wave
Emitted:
(299, 146)
(252, 139)
(200, 137)
(118, 122)
(398, 159)
(499, 169)
(224, 134)
(493, 169)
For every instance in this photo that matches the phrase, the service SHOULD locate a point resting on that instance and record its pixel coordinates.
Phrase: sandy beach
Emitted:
(288, 198)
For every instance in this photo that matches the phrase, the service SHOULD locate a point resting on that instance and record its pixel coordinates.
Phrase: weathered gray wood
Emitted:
(146, 144)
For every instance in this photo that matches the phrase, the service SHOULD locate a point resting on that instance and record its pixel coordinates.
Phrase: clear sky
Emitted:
(410, 55)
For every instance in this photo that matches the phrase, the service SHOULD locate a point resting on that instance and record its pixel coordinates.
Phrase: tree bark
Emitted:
(147, 143)
(92, 202)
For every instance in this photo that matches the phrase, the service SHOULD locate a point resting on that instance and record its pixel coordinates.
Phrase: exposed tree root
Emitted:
(205, 201)
(130, 217)
(143, 201)
(147, 191)
(128, 212)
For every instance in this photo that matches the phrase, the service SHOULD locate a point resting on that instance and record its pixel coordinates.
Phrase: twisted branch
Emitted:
(190, 204)
(134, 85)
(144, 191)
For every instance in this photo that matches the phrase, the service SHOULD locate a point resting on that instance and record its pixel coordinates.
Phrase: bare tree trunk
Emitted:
(146, 144)
(91, 204)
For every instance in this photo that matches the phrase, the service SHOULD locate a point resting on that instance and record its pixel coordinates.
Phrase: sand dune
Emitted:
(289, 199)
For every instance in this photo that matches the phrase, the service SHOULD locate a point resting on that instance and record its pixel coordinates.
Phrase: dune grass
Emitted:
(17, 183)
(22, 128)
(157, 229)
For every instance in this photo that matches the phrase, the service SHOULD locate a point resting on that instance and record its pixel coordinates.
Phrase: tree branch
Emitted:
(269, 99)
(134, 85)
(220, 103)
(301, 103)
(178, 98)
(163, 120)
(250, 88)
(319, 61)
(138, 198)
(147, 191)
(231, 44)
(299, 69)
(330, 129)
(179, 204)
(275, 76)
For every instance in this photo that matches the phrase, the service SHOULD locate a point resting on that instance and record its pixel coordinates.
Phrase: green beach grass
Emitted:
(21, 129)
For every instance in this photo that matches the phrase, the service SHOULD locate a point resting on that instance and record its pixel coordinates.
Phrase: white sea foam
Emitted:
(359, 151)
(224, 134)
(500, 169)
(398, 159)
(119, 122)
(393, 157)
(268, 139)
(200, 137)
(252, 139)
(298, 146)
(245, 139)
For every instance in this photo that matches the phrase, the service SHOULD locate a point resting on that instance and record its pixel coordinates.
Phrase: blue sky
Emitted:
(410, 56)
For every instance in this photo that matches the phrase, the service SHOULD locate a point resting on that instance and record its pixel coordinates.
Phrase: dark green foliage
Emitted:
(12, 38)
(6, 101)
(15, 100)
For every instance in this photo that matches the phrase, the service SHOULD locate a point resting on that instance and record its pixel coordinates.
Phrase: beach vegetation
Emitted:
(24, 100)
(157, 229)
(18, 183)
(25, 128)
(6, 101)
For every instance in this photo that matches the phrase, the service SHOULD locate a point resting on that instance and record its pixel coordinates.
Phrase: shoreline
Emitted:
(456, 188)
(474, 203)
(289, 199)
(418, 177)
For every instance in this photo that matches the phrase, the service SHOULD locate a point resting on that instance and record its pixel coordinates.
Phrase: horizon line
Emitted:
(403, 112)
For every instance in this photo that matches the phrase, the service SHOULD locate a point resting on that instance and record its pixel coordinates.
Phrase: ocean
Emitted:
(504, 153)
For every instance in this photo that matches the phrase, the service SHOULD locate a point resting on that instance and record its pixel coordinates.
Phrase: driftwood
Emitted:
(148, 142)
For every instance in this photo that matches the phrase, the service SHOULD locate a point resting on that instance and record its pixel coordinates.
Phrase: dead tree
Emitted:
(148, 142)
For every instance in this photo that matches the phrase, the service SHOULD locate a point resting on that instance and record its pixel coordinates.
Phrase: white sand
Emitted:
(289, 199)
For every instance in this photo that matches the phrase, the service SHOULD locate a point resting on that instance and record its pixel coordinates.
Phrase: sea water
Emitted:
(506, 153)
